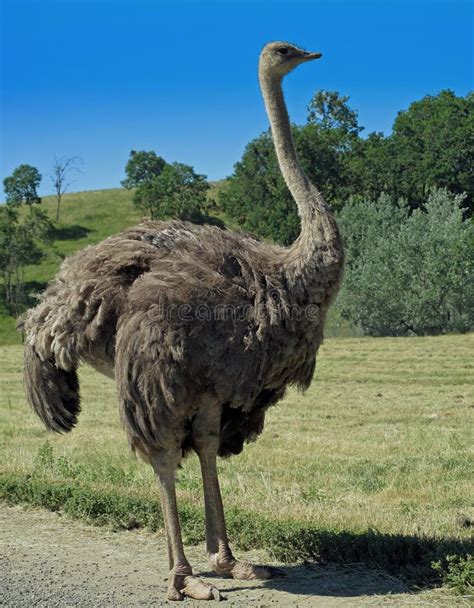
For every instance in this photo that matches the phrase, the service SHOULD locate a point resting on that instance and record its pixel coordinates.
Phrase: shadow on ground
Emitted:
(70, 233)
(363, 564)
(50, 559)
(332, 581)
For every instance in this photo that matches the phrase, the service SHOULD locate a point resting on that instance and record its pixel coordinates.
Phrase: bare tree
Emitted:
(60, 176)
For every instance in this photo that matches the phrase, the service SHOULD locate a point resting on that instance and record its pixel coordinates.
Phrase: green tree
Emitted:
(177, 192)
(369, 166)
(20, 240)
(408, 272)
(257, 197)
(22, 185)
(433, 146)
(331, 111)
(142, 167)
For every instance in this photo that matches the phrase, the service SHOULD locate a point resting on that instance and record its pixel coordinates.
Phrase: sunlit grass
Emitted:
(382, 439)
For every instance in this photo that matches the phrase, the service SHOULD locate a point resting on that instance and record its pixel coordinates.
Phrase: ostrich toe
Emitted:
(197, 589)
(247, 571)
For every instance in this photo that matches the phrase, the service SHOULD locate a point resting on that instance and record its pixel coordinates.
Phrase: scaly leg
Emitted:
(206, 443)
(181, 579)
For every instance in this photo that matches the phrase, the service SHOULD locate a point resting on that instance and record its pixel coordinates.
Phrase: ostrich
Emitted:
(202, 329)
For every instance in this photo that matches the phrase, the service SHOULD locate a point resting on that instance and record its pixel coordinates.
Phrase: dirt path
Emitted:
(50, 560)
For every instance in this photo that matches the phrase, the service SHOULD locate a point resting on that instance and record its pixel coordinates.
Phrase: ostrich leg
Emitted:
(181, 579)
(220, 555)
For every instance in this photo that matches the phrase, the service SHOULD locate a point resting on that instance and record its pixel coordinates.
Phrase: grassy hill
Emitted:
(86, 218)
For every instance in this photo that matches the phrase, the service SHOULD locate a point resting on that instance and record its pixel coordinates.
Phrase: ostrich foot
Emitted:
(197, 589)
(244, 570)
(191, 586)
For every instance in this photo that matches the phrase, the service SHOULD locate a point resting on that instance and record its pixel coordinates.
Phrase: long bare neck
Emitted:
(317, 252)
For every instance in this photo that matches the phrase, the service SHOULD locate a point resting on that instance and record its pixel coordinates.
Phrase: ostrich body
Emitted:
(203, 329)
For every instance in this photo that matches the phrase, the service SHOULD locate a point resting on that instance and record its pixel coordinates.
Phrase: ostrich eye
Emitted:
(283, 50)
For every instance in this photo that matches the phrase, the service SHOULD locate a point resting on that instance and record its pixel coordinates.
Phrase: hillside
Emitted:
(86, 218)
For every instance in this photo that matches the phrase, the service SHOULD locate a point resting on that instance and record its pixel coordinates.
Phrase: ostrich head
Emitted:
(279, 58)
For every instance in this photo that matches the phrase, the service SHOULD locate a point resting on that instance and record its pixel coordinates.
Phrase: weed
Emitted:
(457, 572)
(44, 458)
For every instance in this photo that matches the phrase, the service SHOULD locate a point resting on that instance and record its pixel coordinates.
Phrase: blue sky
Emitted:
(95, 79)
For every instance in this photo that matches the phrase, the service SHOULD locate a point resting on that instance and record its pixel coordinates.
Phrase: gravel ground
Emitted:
(49, 560)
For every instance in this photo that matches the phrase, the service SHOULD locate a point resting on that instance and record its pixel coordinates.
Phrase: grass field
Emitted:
(375, 460)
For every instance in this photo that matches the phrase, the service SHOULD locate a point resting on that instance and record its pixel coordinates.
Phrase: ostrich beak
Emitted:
(309, 56)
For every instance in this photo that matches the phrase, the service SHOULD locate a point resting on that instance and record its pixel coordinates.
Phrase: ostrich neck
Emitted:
(318, 249)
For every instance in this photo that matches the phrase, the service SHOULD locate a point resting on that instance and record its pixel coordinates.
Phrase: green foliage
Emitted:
(141, 168)
(257, 197)
(457, 572)
(44, 457)
(165, 190)
(408, 273)
(21, 186)
(368, 164)
(433, 146)
(20, 240)
(177, 192)
(330, 111)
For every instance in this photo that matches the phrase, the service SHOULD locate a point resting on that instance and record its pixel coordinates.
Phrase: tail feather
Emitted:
(53, 393)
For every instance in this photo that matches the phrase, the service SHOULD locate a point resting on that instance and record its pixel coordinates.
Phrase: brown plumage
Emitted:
(202, 328)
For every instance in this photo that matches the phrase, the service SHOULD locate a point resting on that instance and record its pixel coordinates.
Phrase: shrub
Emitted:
(457, 572)
(408, 272)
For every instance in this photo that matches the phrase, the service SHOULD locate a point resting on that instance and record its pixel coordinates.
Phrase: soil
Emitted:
(50, 560)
